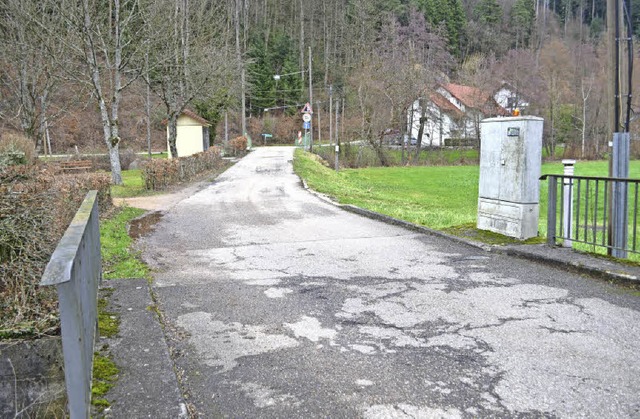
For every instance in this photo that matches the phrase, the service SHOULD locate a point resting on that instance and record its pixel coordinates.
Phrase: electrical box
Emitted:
(510, 164)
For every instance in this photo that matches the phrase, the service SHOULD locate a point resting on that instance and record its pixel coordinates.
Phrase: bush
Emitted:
(158, 174)
(460, 142)
(36, 207)
(16, 149)
(238, 145)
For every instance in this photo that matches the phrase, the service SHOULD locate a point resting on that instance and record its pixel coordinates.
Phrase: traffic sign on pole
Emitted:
(307, 108)
(306, 124)
(306, 117)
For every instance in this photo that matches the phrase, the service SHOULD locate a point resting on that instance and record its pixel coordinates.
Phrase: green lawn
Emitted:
(132, 185)
(438, 197)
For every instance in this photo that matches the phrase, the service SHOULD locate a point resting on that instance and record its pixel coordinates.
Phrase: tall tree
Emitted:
(104, 37)
(29, 71)
(187, 57)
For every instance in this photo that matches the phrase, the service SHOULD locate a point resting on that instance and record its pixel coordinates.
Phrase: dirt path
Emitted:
(164, 201)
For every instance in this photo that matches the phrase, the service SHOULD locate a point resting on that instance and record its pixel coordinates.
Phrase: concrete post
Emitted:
(567, 203)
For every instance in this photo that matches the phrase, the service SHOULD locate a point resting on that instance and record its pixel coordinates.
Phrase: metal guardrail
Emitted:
(581, 209)
(75, 269)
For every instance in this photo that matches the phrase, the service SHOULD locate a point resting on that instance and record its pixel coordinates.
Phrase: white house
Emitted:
(453, 112)
(510, 98)
(193, 134)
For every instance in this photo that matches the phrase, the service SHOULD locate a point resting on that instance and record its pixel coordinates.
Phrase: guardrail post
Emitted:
(75, 268)
(552, 198)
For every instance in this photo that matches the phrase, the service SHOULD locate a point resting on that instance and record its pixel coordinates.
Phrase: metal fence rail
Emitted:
(75, 268)
(581, 209)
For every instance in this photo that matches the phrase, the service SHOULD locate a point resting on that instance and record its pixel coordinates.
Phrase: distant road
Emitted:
(282, 305)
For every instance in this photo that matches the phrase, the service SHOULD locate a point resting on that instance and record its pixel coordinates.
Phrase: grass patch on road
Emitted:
(119, 260)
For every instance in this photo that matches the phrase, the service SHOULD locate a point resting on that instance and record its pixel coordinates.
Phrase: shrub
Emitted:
(158, 174)
(16, 149)
(238, 145)
(460, 142)
(36, 207)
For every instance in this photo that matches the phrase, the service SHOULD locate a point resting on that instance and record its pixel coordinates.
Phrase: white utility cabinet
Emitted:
(510, 164)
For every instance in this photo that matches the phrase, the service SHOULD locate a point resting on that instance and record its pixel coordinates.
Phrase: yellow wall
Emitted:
(189, 139)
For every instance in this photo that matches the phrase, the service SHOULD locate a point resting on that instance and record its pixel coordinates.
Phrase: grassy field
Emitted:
(438, 197)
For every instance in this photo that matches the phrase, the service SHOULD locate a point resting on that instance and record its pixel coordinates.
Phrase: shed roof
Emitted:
(191, 114)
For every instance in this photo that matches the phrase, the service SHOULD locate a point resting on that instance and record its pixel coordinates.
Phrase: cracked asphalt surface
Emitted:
(279, 304)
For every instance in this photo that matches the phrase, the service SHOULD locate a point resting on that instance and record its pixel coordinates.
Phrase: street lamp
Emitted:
(276, 77)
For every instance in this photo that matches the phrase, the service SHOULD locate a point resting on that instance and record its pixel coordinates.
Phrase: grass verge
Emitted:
(439, 197)
(119, 260)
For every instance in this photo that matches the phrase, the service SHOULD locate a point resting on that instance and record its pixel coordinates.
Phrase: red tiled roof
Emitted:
(469, 96)
(475, 98)
(191, 114)
(444, 105)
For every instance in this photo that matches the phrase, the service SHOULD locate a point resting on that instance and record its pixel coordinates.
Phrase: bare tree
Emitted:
(30, 75)
(101, 40)
(404, 67)
(187, 55)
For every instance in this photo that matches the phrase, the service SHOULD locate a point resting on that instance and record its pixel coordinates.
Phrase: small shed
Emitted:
(192, 136)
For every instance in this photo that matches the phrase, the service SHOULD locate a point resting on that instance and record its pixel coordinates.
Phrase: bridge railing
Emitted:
(75, 269)
(581, 210)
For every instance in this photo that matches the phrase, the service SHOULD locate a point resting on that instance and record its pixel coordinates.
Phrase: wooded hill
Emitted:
(105, 74)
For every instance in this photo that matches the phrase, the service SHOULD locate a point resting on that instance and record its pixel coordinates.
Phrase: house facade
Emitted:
(192, 134)
(453, 114)
(510, 98)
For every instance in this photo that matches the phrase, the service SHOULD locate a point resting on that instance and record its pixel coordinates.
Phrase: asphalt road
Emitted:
(282, 305)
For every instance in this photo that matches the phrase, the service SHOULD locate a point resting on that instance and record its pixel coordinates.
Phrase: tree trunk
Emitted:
(172, 127)
(423, 119)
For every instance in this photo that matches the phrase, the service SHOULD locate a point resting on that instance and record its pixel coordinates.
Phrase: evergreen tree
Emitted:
(523, 17)
(278, 57)
(448, 13)
(488, 13)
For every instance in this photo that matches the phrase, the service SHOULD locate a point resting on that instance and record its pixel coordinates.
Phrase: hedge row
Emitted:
(158, 174)
(37, 204)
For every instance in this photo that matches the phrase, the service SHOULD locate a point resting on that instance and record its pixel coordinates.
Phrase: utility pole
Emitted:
(310, 103)
(319, 124)
(337, 138)
(619, 76)
(241, 69)
(330, 115)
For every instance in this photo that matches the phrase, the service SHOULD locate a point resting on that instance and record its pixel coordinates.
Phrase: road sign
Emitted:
(267, 135)
(306, 117)
(306, 125)
(307, 108)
